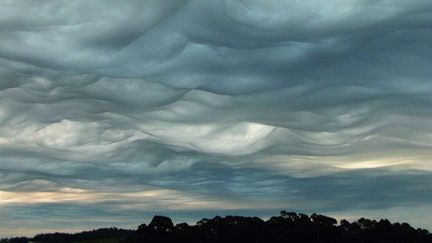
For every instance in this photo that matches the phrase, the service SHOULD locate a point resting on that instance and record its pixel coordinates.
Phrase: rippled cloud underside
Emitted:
(111, 111)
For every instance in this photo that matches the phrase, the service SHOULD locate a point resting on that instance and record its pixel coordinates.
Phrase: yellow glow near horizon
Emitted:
(150, 199)
(370, 164)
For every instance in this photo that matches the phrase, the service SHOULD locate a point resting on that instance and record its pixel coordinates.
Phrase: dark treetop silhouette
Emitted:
(288, 227)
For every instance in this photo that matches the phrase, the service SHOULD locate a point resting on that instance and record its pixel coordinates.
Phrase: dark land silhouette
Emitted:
(288, 227)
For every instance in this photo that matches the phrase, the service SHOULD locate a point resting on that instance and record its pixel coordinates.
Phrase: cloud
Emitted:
(316, 107)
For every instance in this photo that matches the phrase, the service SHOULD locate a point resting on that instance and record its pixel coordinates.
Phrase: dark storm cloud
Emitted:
(214, 105)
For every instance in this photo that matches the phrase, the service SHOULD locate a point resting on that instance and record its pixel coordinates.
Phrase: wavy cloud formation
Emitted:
(117, 110)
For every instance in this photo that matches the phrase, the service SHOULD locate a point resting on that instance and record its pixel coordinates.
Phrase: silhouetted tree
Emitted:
(161, 224)
(288, 227)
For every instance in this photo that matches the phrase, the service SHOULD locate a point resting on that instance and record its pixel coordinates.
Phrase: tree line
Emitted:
(287, 227)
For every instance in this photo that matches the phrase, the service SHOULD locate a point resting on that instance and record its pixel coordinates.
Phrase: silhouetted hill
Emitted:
(107, 234)
(288, 227)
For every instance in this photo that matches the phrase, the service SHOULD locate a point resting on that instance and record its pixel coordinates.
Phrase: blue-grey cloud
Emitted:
(122, 109)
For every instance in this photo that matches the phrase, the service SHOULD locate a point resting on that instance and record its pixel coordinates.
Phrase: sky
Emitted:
(113, 111)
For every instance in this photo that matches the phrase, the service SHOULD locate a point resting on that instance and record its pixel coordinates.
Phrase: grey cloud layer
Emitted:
(317, 106)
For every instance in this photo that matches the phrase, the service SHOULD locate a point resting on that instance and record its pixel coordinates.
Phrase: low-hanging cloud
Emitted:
(213, 105)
